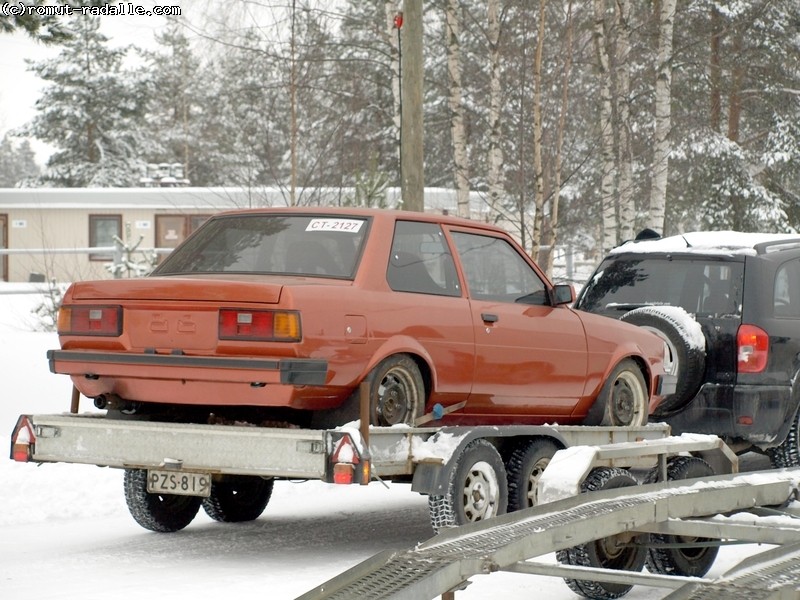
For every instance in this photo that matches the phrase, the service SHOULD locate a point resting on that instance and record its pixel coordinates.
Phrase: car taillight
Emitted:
(753, 349)
(261, 325)
(90, 320)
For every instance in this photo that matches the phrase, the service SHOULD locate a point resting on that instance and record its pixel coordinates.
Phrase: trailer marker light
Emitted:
(21, 441)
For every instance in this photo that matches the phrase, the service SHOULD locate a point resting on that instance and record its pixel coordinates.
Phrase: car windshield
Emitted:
(317, 246)
(701, 286)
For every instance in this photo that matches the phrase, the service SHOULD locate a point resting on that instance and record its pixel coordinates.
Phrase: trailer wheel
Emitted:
(397, 392)
(477, 489)
(525, 468)
(624, 399)
(238, 498)
(164, 513)
(689, 561)
(623, 551)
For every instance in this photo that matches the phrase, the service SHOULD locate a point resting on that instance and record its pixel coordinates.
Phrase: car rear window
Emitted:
(700, 286)
(317, 246)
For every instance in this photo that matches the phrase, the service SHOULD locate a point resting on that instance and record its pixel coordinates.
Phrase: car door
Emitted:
(530, 357)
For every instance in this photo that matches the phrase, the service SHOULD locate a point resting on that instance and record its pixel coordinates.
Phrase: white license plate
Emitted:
(179, 483)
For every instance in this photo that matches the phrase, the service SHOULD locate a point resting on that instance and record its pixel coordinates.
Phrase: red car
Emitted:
(275, 316)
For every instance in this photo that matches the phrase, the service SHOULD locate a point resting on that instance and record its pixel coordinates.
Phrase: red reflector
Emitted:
(21, 441)
(745, 420)
(343, 473)
(753, 349)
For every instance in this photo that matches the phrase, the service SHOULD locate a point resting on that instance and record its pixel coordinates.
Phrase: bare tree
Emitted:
(538, 169)
(627, 210)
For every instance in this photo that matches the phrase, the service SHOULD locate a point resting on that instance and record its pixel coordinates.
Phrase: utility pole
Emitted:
(412, 180)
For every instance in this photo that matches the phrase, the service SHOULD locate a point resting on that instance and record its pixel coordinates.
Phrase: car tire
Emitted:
(682, 561)
(689, 360)
(238, 498)
(787, 455)
(477, 488)
(397, 392)
(623, 400)
(164, 513)
(622, 552)
(525, 468)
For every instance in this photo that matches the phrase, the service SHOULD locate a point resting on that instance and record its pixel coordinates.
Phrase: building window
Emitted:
(102, 229)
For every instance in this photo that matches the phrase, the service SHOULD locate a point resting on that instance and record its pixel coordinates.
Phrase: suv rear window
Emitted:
(700, 286)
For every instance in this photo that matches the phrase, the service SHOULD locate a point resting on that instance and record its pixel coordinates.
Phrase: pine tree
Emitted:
(17, 163)
(92, 111)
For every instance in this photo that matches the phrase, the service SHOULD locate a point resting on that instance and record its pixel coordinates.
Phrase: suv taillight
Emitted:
(90, 320)
(260, 325)
(752, 345)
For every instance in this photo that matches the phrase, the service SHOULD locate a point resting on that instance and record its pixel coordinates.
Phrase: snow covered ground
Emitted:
(65, 532)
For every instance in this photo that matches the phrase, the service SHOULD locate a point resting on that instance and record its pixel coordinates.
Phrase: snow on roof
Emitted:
(706, 242)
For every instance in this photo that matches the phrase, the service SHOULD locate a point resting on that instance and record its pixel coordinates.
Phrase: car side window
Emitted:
(420, 261)
(496, 271)
(786, 294)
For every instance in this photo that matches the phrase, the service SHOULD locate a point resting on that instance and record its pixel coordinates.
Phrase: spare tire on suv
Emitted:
(687, 347)
(738, 296)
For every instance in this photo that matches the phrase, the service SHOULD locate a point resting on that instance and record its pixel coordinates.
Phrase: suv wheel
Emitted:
(688, 358)
(787, 455)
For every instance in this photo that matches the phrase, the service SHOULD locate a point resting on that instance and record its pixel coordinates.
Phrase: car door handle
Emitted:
(489, 318)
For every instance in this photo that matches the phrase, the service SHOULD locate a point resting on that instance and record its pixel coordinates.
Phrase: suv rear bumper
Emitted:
(758, 414)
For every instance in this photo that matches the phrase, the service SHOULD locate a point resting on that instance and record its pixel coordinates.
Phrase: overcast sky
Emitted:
(20, 88)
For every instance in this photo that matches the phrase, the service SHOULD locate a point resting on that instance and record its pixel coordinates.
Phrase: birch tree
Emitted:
(495, 178)
(606, 120)
(627, 210)
(458, 132)
(663, 115)
(538, 169)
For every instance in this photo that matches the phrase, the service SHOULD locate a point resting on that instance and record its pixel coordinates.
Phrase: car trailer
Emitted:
(674, 510)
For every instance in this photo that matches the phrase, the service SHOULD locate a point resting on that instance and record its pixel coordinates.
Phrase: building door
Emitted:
(4, 246)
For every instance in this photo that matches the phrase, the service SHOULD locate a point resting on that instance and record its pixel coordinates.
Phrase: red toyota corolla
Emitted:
(275, 316)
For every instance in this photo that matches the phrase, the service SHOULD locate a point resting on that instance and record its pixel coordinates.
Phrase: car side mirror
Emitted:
(563, 293)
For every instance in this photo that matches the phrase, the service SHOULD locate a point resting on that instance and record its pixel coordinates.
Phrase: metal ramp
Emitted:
(444, 563)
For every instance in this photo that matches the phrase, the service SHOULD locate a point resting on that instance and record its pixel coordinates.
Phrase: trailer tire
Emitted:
(163, 513)
(525, 468)
(396, 392)
(477, 488)
(238, 498)
(623, 551)
(623, 401)
(686, 562)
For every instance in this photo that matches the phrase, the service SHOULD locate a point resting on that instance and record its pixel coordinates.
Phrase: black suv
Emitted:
(728, 306)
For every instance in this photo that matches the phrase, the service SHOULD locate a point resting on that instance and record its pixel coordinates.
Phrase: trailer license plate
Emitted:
(183, 484)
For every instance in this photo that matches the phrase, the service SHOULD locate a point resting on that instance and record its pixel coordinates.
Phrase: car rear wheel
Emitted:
(397, 392)
(164, 513)
(674, 554)
(623, 552)
(624, 400)
(238, 498)
(688, 360)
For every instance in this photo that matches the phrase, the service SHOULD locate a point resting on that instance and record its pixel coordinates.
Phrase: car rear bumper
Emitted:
(183, 379)
(758, 414)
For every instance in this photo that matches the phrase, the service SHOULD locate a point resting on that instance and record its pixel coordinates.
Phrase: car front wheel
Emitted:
(624, 400)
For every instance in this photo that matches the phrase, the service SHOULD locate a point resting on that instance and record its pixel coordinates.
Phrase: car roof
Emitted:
(376, 213)
(723, 243)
